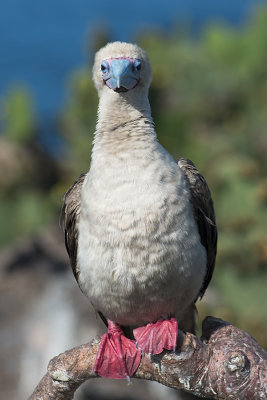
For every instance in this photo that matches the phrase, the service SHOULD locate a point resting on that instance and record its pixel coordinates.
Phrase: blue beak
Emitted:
(121, 74)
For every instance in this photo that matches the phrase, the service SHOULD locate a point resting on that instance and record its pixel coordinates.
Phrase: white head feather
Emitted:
(122, 49)
(116, 108)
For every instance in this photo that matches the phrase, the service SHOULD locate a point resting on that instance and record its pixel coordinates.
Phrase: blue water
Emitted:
(41, 42)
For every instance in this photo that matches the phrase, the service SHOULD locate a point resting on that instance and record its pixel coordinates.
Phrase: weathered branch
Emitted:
(227, 363)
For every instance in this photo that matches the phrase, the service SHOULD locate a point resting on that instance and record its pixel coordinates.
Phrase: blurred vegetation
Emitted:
(209, 103)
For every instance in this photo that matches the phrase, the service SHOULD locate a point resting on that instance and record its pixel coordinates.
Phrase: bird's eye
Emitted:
(137, 65)
(104, 66)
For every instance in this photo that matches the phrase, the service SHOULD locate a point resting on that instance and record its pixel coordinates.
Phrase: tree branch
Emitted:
(227, 363)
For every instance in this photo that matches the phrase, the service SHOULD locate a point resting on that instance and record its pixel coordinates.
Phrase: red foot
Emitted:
(117, 356)
(153, 338)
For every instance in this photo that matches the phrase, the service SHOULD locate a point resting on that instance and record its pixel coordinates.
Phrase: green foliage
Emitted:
(26, 171)
(208, 100)
(25, 212)
(19, 115)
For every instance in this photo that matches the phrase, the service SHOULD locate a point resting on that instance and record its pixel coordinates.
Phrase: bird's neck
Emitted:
(122, 117)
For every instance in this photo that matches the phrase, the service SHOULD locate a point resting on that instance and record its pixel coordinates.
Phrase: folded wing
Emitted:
(204, 215)
(69, 217)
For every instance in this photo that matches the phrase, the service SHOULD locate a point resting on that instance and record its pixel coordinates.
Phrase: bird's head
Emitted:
(121, 67)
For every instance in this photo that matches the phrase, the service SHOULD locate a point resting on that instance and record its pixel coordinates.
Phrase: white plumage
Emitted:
(139, 251)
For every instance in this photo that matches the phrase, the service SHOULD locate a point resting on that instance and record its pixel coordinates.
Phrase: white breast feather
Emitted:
(139, 252)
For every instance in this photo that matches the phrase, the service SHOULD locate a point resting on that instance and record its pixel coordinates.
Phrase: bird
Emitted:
(140, 228)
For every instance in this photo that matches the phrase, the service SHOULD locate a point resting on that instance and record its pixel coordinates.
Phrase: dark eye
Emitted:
(137, 65)
(104, 66)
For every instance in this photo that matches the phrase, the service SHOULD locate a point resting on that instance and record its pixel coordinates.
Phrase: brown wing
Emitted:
(69, 218)
(204, 214)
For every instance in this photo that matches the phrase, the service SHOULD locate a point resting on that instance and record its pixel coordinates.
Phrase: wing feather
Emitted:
(69, 217)
(204, 215)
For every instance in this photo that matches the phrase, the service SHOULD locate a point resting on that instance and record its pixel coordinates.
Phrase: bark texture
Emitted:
(226, 363)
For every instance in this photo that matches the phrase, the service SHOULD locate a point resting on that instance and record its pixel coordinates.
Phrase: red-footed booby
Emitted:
(139, 228)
